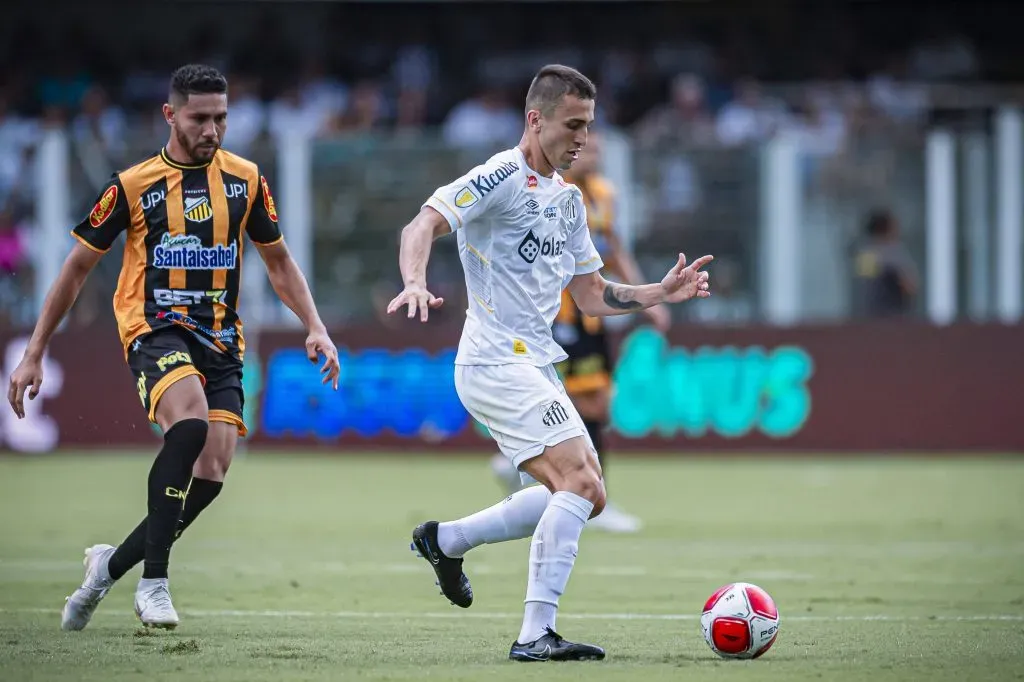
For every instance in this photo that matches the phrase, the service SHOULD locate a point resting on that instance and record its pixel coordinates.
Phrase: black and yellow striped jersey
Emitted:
(183, 255)
(599, 198)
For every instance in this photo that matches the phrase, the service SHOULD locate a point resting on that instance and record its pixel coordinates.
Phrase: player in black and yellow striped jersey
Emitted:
(185, 211)
(586, 373)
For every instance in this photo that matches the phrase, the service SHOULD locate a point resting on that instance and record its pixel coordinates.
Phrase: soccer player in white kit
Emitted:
(523, 237)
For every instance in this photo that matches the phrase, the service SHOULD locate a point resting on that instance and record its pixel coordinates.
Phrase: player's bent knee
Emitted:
(569, 466)
(212, 466)
(597, 497)
(587, 484)
(216, 457)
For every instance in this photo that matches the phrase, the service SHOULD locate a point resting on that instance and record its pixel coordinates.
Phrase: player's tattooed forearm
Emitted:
(621, 298)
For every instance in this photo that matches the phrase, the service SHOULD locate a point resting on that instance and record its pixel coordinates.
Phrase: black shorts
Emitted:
(589, 365)
(164, 356)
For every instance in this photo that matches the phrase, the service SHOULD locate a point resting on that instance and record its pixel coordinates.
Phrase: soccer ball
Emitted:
(740, 620)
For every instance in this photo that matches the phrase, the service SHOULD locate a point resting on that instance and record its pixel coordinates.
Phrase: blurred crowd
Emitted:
(677, 74)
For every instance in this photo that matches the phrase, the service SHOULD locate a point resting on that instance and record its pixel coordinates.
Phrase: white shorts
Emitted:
(525, 408)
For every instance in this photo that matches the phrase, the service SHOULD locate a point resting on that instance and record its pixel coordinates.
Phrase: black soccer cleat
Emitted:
(453, 582)
(551, 647)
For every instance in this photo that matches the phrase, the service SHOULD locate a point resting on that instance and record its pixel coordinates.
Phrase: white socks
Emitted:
(513, 518)
(556, 522)
(552, 555)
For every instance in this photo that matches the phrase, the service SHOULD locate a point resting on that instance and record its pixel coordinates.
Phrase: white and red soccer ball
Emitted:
(740, 620)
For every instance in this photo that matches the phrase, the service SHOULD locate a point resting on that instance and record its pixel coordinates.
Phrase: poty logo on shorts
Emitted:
(171, 358)
(187, 252)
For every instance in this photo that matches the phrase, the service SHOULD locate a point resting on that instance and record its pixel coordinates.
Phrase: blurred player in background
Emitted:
(523, 237)
(586, 373)
(185, 210)
(887, 279)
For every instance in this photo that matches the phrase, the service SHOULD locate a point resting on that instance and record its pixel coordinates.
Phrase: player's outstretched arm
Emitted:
(413, 255)
(621, 260)
(598, 297)
(291, 287)
(59, 299)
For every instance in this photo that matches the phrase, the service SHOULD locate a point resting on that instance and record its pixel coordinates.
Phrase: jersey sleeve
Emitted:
(485, 190)
(581, 246)
(262, 226)
(109, 217)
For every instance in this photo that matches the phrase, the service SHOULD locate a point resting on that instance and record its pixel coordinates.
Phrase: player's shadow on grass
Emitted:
(701, 660)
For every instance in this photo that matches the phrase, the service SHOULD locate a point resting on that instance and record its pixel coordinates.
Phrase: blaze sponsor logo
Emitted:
(104, 207)
(187, 252)
(552, 247)
(532, 246)
(529, 248)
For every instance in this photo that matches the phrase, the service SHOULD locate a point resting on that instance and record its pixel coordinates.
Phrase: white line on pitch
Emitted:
(436, 615)
(20, 569)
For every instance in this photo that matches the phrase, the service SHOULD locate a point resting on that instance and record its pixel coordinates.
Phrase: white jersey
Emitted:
(522, 237)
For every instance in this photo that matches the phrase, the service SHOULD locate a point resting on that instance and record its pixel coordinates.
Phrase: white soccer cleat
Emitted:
(614, 520)
(153, 604)
(79, 607)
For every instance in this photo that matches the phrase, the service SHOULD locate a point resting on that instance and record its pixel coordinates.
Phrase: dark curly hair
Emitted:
(197, 79)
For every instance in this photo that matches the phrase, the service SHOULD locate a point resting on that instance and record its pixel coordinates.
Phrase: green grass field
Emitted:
(882, 570)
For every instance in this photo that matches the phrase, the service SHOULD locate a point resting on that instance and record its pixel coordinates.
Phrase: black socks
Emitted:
(168, 480)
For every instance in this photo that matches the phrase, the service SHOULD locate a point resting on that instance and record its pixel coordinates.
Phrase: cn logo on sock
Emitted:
(175, 493)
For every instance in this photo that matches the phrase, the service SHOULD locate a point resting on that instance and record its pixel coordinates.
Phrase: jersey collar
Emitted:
(181, 166)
